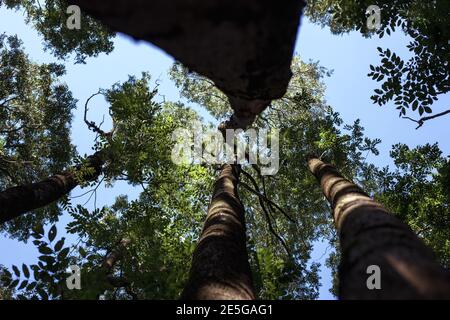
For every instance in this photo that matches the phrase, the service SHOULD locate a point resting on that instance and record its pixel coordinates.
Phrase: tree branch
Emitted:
(421, 121)
(91, 124)
(266, 213)
(270, 202)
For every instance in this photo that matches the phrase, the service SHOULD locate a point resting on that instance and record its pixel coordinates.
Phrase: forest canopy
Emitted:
(141, 247)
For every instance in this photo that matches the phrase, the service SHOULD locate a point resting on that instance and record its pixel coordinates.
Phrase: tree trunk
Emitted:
(22, 199)
(220, 268)
(253, 40)
(116, 254)
(370, 235)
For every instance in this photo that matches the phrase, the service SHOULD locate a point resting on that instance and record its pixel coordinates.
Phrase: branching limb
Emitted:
(92, 125)
(264, 195)
(94, 191)
(261, 197)
(421, 121)
(266, 214)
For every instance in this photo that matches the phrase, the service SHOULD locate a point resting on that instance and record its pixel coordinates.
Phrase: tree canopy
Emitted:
(140, 248)
(35, 119)
(413, 84)
(50, 20)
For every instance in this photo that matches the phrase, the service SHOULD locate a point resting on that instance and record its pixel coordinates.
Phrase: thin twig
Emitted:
(270, 202)
(421, 121)
(94, 191)
(91, 124)
(266, 213)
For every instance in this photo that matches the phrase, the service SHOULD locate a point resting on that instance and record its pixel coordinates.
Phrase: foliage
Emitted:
(46, 279)
(50, 19)
(35, 118)
(412, 84)
(164, 222)
(307, 125)
(286, 213)
(418, 193)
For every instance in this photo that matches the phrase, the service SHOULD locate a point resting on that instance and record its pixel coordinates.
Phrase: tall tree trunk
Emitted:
(22, 199)
(220, 268)
(117, 254)
(370, 235)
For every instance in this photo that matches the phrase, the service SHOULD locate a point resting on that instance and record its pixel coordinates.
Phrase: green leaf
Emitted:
(42, 293)
(31, 286)
(428, 110)
(36, 235)
(91, 257)
(59, 245)
(45, 250)
(82, 252)
(14, 283)
(52, 233)
(47, 259)
(25, 270)
(36, 272)
(39, 229)
(23, 285)
(421, 110)
(16, 271)
(63, 253)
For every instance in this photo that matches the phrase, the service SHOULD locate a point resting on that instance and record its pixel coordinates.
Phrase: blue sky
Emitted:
(348, 92)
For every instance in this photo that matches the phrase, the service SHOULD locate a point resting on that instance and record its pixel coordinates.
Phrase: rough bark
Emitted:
(245, 47)
(220, 268)
(22, 199)
(116, 254)
(370, 235)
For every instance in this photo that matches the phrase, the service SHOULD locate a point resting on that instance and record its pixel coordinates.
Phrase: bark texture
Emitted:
(116, 254)
(22, 199)
(370, 235)
(220, 268)
(245, 47)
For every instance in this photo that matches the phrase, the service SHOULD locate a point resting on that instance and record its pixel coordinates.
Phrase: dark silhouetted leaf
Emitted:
(52, 233)
(59, 245)
(16, 271)
(45, 250)
(25, 270)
